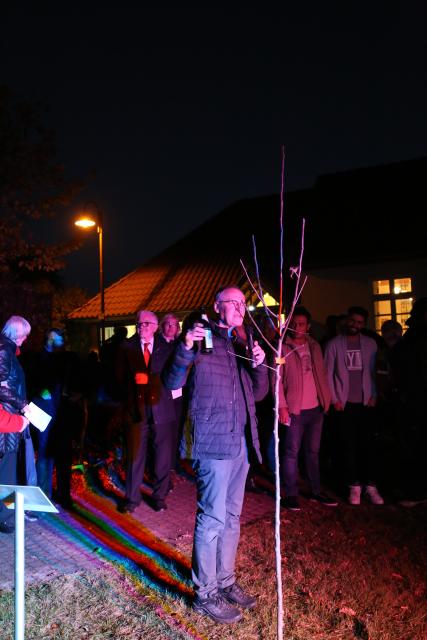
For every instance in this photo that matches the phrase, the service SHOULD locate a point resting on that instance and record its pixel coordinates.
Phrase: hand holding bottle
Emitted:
(195, 334)
(200, 332)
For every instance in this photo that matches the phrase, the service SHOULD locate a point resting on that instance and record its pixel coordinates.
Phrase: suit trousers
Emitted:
(162, 438)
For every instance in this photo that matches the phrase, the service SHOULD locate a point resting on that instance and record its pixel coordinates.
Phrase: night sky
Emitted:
(182, 109)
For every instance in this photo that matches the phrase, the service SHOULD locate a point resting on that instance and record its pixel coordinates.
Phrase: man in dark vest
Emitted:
(150, 410)
(219, 434)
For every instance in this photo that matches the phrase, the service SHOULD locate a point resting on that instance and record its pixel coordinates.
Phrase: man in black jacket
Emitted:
(150, 409)
(54, 382)
(219, 433)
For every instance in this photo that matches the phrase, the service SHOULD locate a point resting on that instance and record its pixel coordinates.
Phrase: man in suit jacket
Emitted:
(169, 332)
(150, 409)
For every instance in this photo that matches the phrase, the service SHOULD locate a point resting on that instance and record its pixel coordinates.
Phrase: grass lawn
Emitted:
(349, 573)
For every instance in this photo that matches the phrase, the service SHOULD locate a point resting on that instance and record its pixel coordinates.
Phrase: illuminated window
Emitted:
(381, 287)
(269, 301)
(109, 331)
(382, 307)
(402, 285)
(392, 300)
(131, 330)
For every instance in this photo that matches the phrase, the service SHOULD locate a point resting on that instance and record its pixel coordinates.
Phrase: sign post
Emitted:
(22, 498)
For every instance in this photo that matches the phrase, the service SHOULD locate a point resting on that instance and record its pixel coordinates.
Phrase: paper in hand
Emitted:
(37, 416)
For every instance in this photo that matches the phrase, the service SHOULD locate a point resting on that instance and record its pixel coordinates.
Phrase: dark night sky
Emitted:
(182, 109)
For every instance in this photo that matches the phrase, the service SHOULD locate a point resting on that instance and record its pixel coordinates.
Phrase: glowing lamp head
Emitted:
(85, 223)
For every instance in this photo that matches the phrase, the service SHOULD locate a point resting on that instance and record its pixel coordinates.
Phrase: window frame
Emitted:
(392, 297)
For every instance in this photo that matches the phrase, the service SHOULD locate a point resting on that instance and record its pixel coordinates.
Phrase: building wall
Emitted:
(333, 290)
(332, 294)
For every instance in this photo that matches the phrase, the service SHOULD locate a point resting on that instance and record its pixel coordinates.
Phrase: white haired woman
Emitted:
(13, 399)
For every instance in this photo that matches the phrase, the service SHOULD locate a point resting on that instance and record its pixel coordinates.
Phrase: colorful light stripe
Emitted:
(129, 548)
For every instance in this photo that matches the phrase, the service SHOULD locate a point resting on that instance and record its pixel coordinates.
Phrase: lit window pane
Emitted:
(131, 329)
(402, 285)
(403, 305)
(402, 319)
(269, 301)
(381, 287)
(109, 331)
(379, 321)
(382, 307)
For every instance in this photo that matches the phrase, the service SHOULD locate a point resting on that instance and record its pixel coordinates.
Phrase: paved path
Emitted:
(52, 552)
(48, 554)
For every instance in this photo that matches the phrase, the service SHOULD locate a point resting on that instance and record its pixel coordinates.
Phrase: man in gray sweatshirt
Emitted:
(350, 364)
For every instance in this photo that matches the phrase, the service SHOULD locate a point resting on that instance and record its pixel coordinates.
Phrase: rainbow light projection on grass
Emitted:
(130, 548)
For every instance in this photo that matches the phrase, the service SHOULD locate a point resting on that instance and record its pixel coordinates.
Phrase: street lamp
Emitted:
(91, 216)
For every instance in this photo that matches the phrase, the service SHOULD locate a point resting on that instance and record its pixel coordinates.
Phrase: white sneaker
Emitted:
(372, 492)
(354, 495)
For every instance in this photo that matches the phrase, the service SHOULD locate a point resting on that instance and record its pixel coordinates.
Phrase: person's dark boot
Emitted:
(217, 608)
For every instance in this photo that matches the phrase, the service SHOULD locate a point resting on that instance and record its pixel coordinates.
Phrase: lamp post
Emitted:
(87, 220)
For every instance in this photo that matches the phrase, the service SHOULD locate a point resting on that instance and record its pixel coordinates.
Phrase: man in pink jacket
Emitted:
(304, 397)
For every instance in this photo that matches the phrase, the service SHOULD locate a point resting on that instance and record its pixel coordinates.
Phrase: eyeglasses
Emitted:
(170, 324)
(238, 304)
(145, 324)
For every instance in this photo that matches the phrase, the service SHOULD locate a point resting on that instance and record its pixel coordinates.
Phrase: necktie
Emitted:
(146, 353)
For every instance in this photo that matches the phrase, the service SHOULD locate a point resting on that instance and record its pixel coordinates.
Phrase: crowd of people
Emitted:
(173, 397)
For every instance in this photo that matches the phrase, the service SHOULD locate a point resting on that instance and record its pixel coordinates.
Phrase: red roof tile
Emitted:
(175, 288)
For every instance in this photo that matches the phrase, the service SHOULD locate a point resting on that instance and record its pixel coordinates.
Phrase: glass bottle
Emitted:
(207, 342)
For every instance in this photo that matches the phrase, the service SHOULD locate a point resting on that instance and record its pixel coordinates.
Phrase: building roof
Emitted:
(365, 215)
(162, 288)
